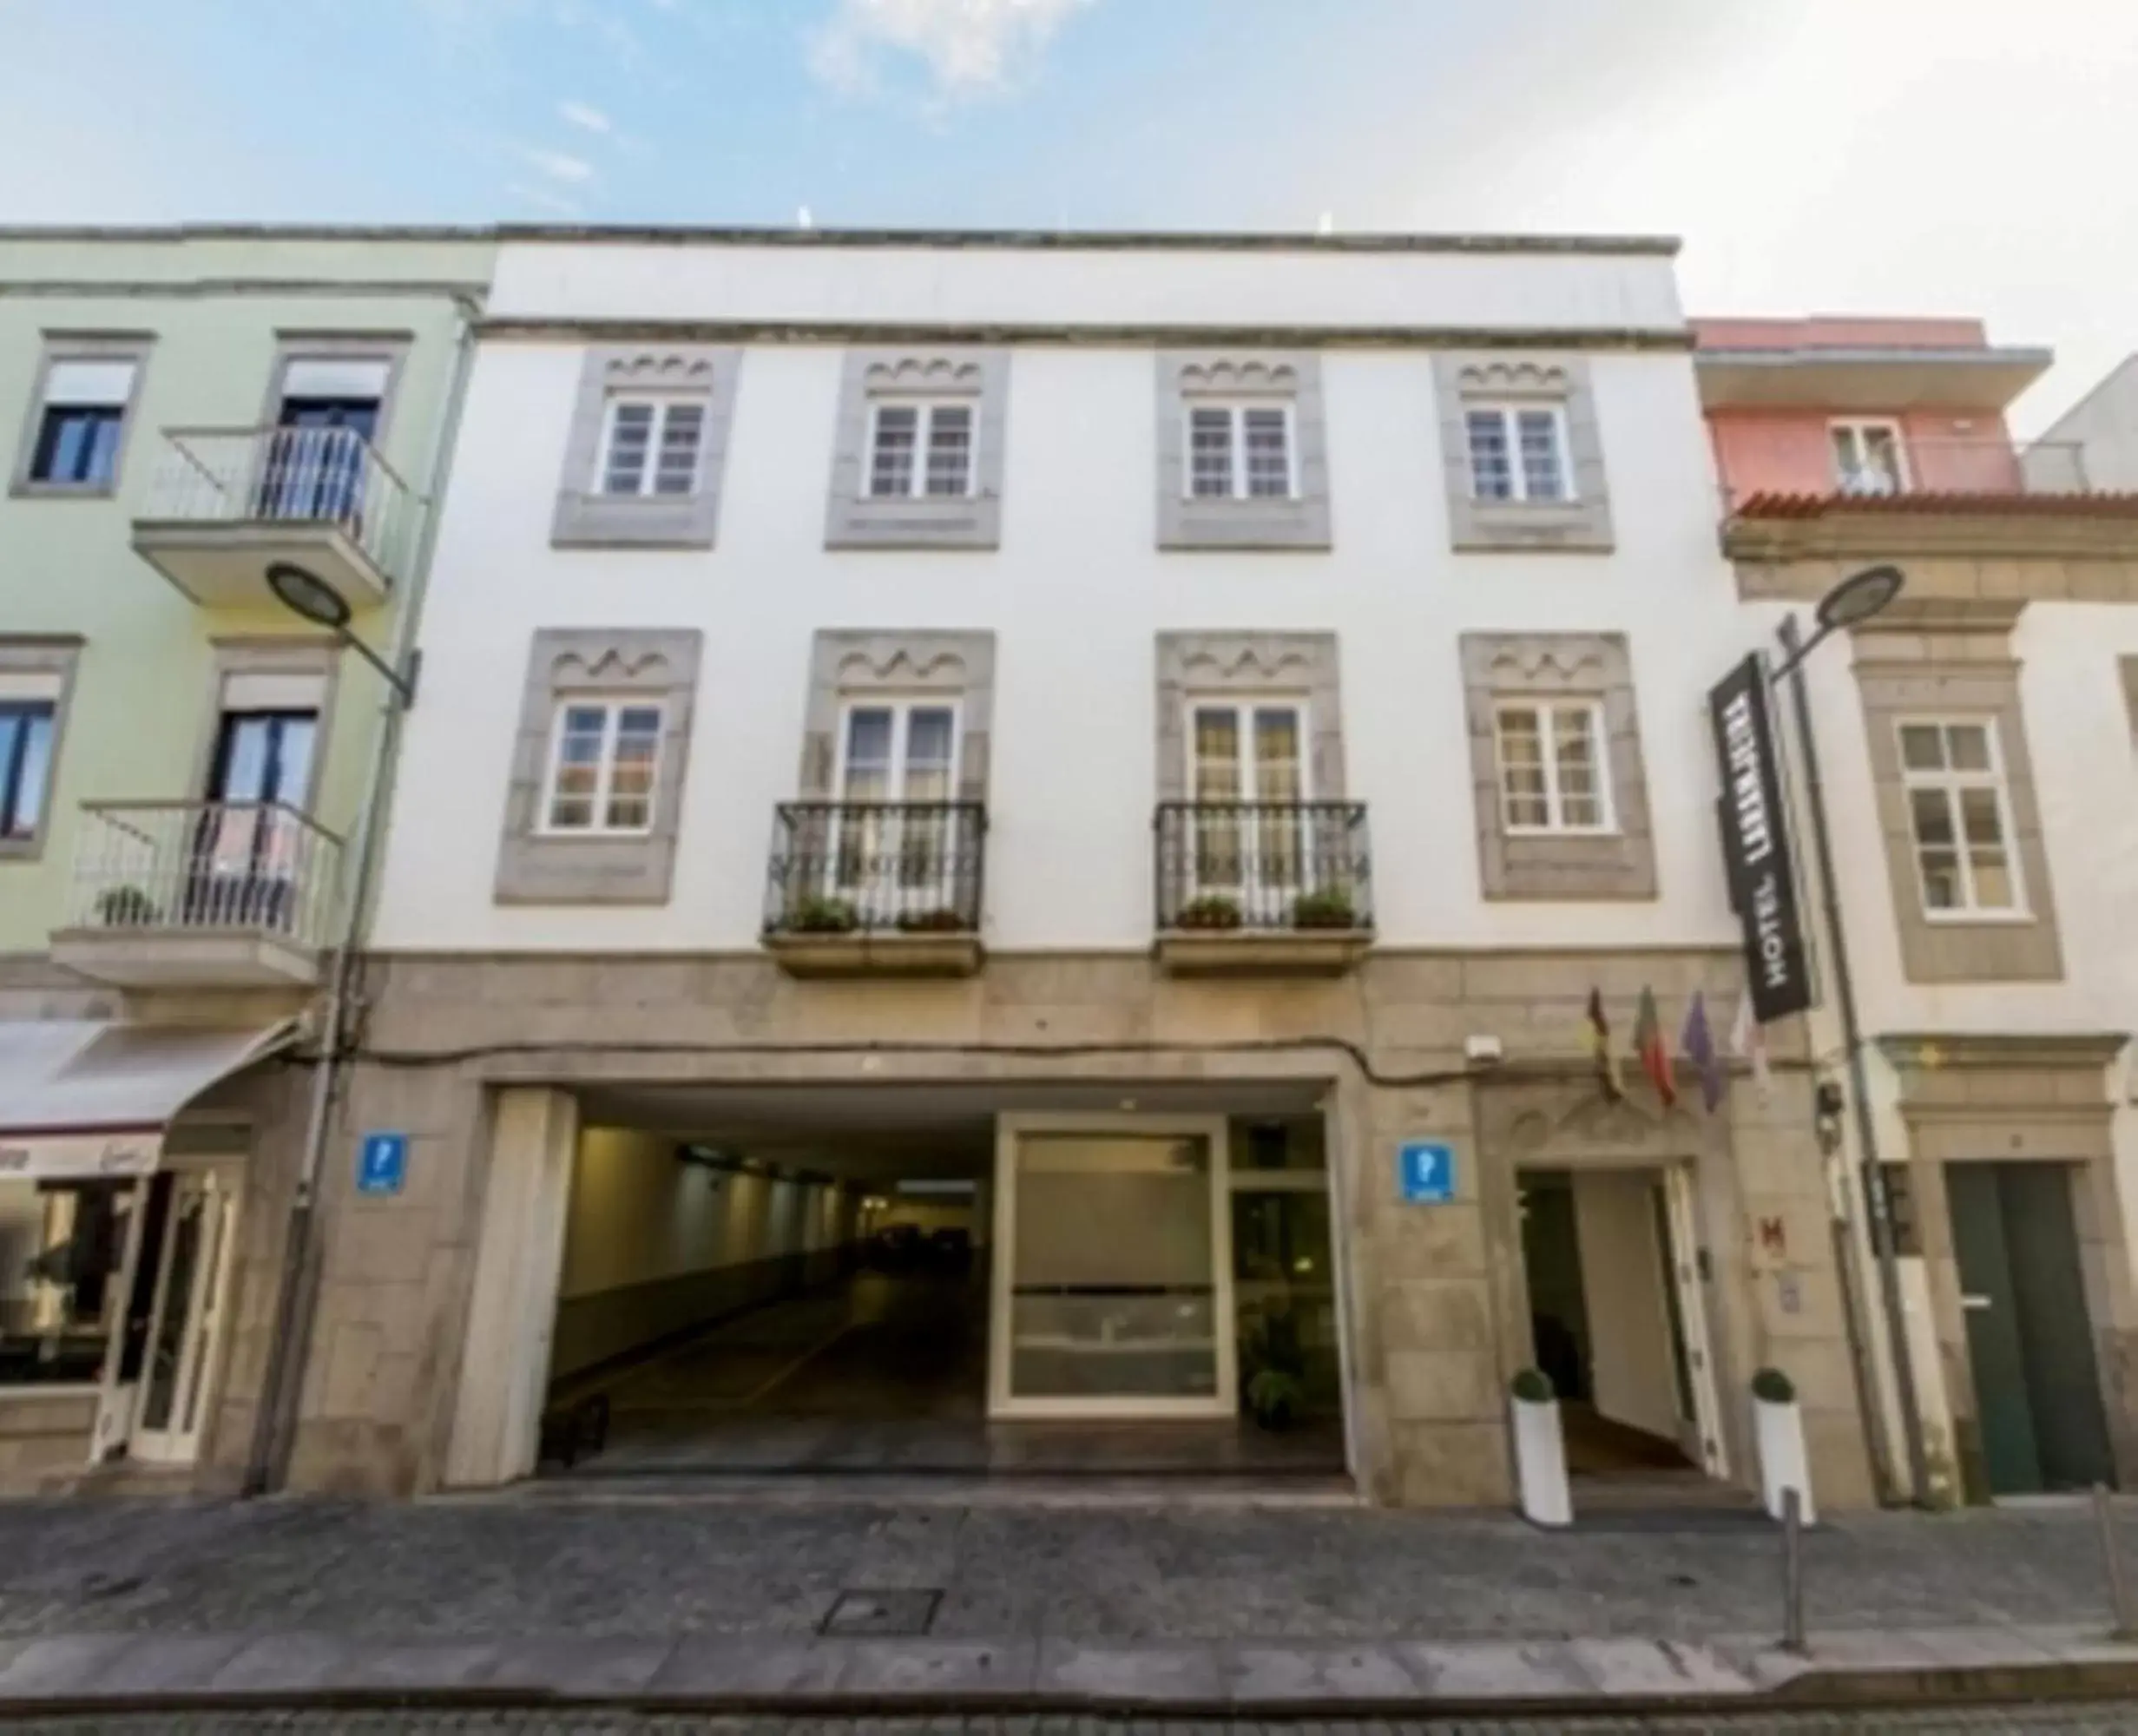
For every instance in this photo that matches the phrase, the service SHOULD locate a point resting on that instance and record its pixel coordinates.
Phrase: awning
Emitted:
(81, 1098)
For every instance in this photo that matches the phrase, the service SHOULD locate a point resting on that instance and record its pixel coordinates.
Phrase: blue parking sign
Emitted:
(382, 1163)
(1426, 1172)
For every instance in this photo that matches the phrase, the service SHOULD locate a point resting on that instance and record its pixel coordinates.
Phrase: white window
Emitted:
(1960, 814)
(76, 442)
(1518, 453)
(898, 837)
(921, 450)
(604, 756)
(1247, 776)
(1240, 451)
(1868, 458)
(651, 446)
(1551, 766)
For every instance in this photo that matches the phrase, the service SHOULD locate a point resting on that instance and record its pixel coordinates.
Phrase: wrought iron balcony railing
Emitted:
(286, 476)
(165, 867)
(876, 868)
(1264, 867)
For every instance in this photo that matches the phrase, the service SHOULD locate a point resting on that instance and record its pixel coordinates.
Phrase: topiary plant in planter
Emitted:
(932, 922)
(125, 907)
(1331, 908)
(822, 916)
(1209, 912)
(1772, 1386)
(1532, 1387)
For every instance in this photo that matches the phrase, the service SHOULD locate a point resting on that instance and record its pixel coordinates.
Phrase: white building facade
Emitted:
(1978, 741)
(1170, 729)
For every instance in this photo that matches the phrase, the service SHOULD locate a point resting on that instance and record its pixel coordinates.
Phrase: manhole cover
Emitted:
(881, 1614)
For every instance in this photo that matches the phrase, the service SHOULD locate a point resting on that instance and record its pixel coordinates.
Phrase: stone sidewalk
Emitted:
(1220, 1609)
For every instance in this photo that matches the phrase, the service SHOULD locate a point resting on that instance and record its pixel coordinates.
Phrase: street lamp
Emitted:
(304, 594)
(1850, 603)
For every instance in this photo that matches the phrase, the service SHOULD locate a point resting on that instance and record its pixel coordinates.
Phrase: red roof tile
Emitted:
(1769, 506)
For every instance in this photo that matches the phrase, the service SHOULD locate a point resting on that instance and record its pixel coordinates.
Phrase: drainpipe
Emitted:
(274, 1421)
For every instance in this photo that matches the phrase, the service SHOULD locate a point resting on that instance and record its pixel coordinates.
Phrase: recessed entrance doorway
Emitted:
(944, 1282)
(1619, 1324)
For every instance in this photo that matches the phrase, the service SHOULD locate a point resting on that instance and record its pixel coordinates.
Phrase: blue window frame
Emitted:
(78, 444)
(25, 765)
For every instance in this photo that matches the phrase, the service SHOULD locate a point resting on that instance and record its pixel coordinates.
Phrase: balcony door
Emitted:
(245, 865)
(1247, 775)
(188, 1284)
(313, 468)
(893, 845)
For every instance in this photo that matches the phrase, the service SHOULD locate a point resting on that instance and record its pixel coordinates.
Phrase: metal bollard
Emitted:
(2126, 1629)
(1793, 1640)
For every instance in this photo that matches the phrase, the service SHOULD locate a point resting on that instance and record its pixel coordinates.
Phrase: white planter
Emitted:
(1783, 1462)
(1540, 1463)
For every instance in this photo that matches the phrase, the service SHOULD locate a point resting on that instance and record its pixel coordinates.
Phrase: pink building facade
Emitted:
(1823, 406)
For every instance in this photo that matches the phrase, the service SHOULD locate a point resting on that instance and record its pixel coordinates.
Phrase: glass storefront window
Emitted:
(62, 1246)
(1114, 1290)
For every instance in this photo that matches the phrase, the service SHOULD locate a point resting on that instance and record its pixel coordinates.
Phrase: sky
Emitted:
(1935, 156)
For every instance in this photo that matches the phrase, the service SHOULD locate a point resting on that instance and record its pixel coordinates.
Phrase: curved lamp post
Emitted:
(304, 594)
(1850, 603)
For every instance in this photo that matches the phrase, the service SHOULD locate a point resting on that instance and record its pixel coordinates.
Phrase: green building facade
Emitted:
(186, 766)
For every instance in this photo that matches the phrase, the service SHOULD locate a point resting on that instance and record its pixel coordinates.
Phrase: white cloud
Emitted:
(545, 199)
(558, 166)
(967, 46)
(585, 116)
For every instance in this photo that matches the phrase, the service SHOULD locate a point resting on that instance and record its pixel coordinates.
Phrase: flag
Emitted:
(1748, 1043)
(1599, 1049)
(1654, 1053)
(1699, 1044)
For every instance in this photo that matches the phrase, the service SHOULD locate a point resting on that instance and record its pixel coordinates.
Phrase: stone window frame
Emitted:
(1299, 666)
(974, 373)
(1952, 782)
(133, 347)
(1290, 377)
(1572, 866)
(47, 660)
(657, 664)
(1957, 676)
(587, 518)
(851, 664)
(1546, 706)
(1582, 524)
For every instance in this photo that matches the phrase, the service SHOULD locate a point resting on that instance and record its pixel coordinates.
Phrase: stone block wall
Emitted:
(1435, 1316)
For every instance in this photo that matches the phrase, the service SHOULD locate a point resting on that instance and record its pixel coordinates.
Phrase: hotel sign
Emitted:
(1755, 843)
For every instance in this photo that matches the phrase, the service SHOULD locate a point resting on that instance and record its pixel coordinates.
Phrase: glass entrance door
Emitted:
(185, 1324)
(1114, 1271)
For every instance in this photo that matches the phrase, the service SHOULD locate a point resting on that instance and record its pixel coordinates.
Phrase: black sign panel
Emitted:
(1755, 843)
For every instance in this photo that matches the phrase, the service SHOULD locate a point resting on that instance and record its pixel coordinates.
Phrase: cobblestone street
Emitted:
(2048, 1720)
(633, 1569)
